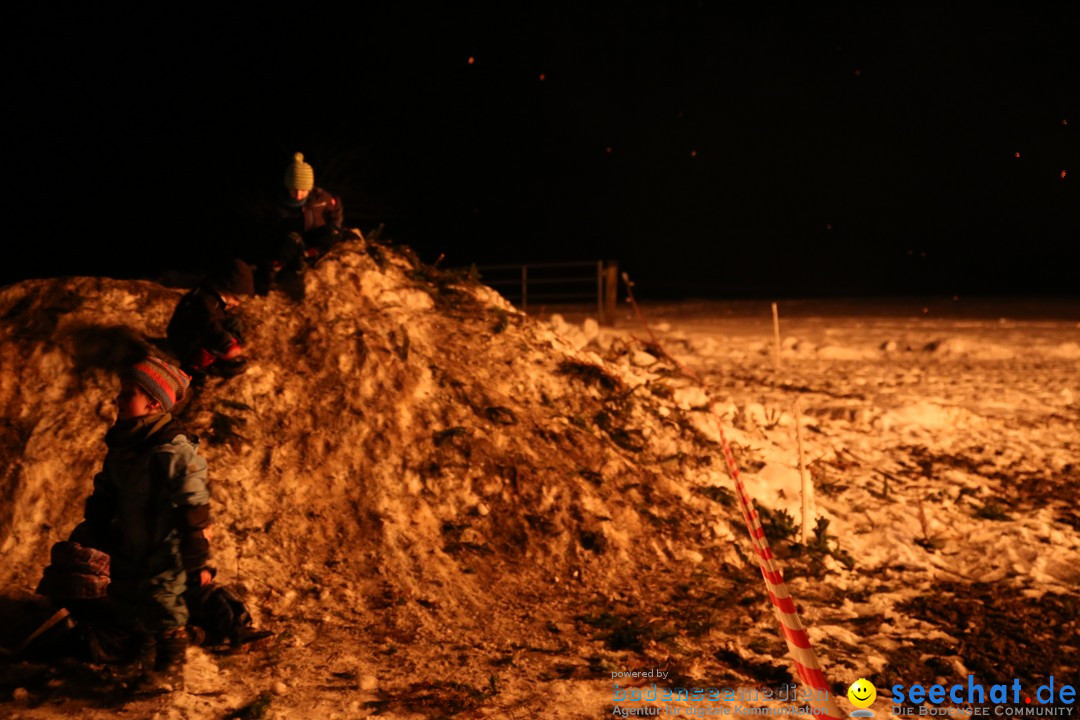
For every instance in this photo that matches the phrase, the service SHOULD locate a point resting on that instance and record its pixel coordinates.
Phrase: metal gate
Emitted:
(557, 282)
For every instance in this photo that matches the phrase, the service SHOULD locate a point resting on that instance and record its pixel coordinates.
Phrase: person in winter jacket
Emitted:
(306, 221)
(203, 332)
(150, 511)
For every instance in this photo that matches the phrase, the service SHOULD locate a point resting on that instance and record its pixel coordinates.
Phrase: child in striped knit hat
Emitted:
(150, 512)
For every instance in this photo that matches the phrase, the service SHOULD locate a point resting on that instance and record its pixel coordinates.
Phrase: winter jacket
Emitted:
(316, 224)
(319, 209)
(201, 329)
(151, 501)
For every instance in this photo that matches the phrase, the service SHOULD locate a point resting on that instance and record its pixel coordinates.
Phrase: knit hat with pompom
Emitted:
(299, 175)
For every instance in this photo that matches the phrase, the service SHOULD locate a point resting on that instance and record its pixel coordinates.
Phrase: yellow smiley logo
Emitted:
(862, 693)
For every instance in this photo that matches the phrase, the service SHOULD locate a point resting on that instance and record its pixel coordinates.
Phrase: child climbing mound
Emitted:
(204, 333)
(149, 510)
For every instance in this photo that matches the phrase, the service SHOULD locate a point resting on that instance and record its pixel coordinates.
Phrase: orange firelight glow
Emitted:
(471, 59)
(693, 153)
(1062, 174)
(542, 76)
(1016, 155)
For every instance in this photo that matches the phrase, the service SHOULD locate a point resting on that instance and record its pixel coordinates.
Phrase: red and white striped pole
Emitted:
(802, 653)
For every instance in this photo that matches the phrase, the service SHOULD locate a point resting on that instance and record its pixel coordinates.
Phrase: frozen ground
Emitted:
(498, 513)
(942, 437)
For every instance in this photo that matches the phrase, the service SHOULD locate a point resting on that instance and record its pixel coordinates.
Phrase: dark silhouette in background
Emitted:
(715, 150)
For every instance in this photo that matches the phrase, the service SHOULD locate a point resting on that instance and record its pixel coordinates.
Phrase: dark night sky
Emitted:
(753, 150)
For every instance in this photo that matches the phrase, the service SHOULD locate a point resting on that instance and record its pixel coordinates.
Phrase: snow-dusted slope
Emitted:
(448, 507)
(406, 451)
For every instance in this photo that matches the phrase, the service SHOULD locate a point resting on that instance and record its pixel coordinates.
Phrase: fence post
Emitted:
(600, 291)
(610, 292)
(524, 290)
(776, 337)
(807, 486)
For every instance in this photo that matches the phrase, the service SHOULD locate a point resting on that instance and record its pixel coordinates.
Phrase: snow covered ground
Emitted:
(448, 509)
(943, 449)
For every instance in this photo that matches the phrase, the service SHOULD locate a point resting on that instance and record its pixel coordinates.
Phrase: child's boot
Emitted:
(171, 656)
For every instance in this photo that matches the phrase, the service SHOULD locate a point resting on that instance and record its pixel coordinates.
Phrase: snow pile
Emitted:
(406, 454)
(964, 347)
(925, 417)
(391, 416)
(449, 506)
(1066, 350)
(577, 337)
(837, 352)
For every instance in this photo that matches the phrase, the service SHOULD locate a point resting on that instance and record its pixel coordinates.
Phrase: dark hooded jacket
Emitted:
(302, 230)
(201, 328)
(319, 210)
(201, 322)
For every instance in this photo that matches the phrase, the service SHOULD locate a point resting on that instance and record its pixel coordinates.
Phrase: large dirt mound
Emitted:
(405, 446)
(449, 509)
